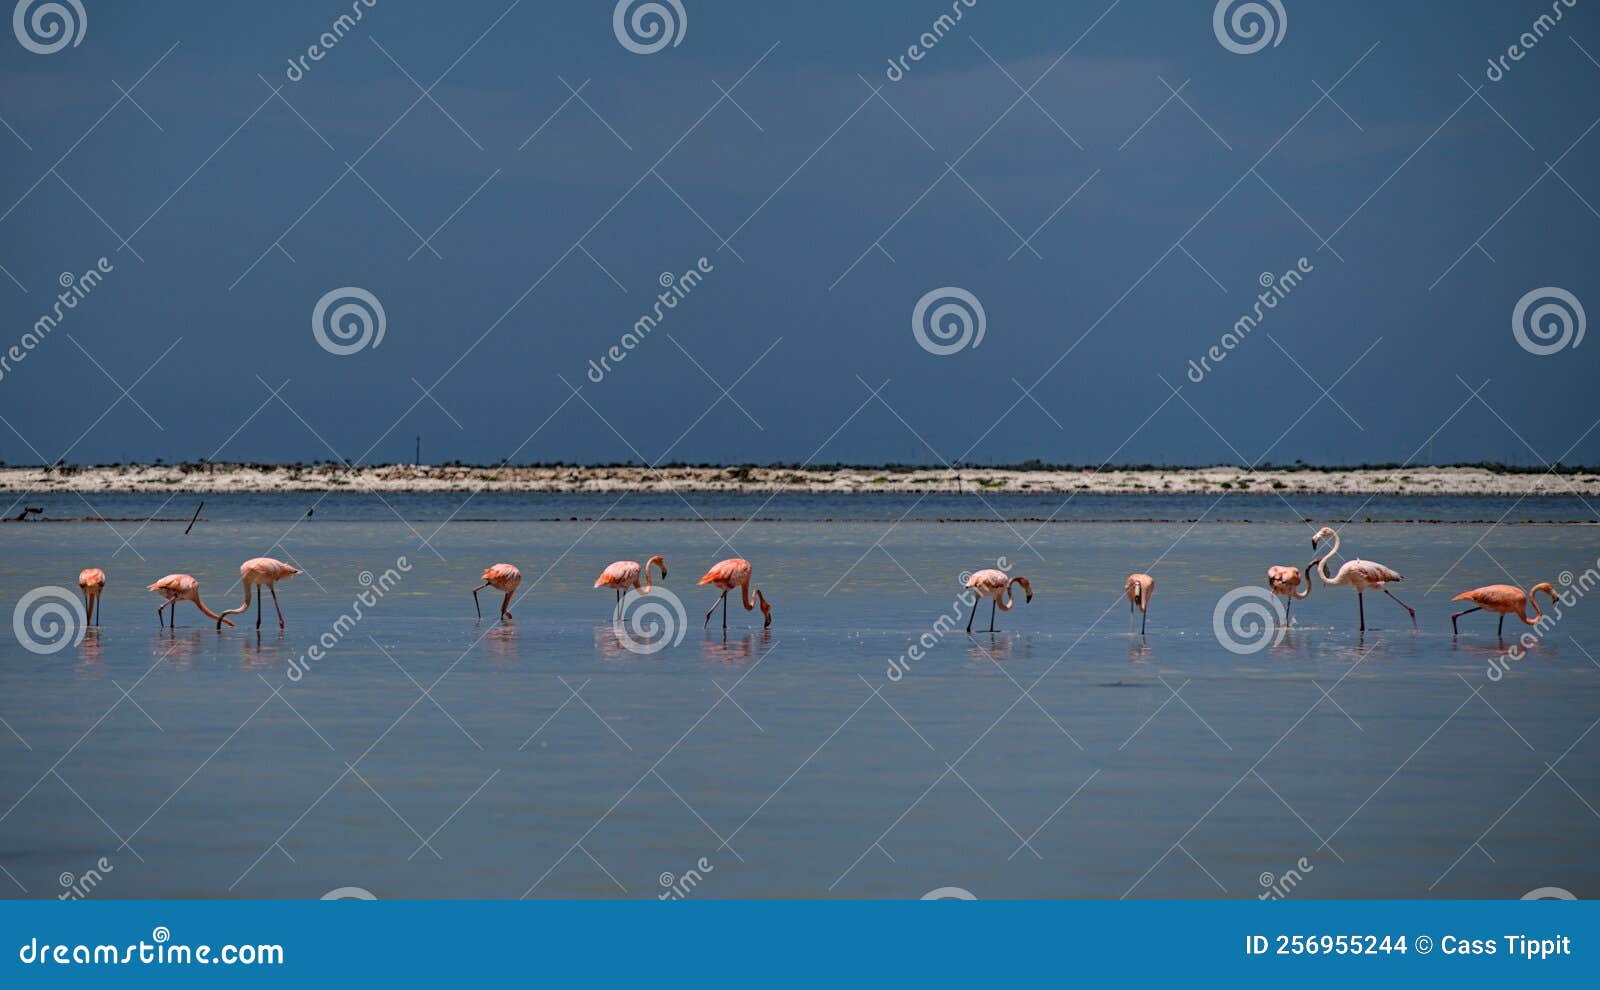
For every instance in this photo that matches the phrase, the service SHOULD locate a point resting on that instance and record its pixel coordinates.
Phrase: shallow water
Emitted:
(1061, 757)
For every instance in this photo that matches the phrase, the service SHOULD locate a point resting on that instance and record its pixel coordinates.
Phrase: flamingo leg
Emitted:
(1361, 610)
(1458, 615)
(274, 590)
(1286, 610)
(725, 610)
(1500, 630)
(992, 604)
(622, 602)
(1144, 616)
(160, 621)
(1408, 608)
(616, 606)
(713, 609)
(505, 606)
(972, 615)
(258, 614)
(475, 604)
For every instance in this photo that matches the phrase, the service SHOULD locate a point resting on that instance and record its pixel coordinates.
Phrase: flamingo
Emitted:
(262, 572)
(727, 575)
(1363, 575)
(1139, 589)
(177, 588)
(622, 575)
(500, 577)
(995, 585)
(1506, 600)
(1283, 580)
(92, 580)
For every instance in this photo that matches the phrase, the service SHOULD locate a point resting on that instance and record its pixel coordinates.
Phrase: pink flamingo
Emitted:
(259, 572)
(996, 586)
(1139, 589)
(1363, 575)
(500, 577)
(177, 588)
(1506, 600)
(727, 575)
(92, 581)
(1284, 580)
(623, 575)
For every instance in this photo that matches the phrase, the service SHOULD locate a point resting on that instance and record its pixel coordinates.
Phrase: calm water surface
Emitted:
(430, 754)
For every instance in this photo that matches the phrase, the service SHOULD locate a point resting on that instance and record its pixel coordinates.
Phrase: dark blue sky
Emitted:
(1439, 216)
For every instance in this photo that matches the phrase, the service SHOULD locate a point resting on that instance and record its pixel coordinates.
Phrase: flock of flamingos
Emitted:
(624, 576)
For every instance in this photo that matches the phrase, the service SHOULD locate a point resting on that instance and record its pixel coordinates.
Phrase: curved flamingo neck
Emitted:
(1322, 567)
(656, 562)
(209, 614)
(744, 596)
(1523, 612)
(1298, 595)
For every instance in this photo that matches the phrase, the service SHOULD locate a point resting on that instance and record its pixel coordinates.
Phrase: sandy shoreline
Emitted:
(222, 478)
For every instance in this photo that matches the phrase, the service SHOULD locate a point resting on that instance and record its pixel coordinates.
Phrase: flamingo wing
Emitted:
(92, 577)
(619, 574)
(1495, 597)
(727, 573)
(1370, 572)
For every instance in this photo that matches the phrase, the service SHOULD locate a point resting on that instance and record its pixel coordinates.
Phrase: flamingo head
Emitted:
(1026, 587)
(659, 561)
(1322, 534)
(1544, 586)
(766, 609)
